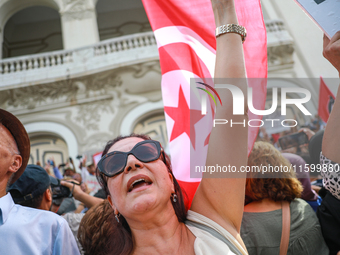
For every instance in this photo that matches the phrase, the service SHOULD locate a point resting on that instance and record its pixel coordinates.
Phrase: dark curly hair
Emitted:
(122, 233)
(263, 184)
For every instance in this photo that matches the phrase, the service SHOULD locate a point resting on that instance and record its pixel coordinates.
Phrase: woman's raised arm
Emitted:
(222, 199)
(331, 138)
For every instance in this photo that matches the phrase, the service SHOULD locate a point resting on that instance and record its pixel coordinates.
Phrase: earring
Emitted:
(117, 217)
(174, 198)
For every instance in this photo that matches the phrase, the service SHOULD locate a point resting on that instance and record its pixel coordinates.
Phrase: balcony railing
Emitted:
(58, 65)
(37, 61)
(117, 52)
(125, 43)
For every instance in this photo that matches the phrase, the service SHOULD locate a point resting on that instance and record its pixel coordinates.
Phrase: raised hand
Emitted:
(331, 50)
(224, 12)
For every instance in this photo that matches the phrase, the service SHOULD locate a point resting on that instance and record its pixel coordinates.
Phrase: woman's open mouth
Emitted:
(138, 182)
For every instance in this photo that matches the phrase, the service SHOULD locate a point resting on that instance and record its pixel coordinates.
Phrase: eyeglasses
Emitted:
(114, 162)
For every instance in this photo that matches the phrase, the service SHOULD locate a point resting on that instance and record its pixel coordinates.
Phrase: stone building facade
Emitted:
(80, 72)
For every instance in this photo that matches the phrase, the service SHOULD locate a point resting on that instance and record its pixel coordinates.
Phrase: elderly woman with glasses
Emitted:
(150, 217)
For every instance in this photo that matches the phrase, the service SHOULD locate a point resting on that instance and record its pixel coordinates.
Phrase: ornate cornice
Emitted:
(140, 70)
(60, 94)
(77, 10)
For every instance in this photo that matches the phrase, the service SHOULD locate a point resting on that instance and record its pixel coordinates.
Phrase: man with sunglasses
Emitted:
(25, 230)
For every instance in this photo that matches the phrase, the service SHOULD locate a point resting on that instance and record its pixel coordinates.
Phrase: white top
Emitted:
(330, 173)
(206, 243)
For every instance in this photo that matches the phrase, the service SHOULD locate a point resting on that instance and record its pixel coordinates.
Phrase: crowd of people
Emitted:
(131, 203)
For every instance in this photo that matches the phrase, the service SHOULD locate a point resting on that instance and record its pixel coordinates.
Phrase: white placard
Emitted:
(326, 13)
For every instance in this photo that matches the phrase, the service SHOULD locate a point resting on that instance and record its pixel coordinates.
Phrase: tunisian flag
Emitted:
(326, 101)
(185, 34)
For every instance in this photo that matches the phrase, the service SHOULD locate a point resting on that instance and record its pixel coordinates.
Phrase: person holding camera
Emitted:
(33, 188)
(25, 230)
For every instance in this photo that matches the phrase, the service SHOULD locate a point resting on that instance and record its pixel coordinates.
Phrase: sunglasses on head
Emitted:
(114, 162)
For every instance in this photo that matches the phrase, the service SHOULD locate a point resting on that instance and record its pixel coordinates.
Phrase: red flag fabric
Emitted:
(184, 31)
(326, 101)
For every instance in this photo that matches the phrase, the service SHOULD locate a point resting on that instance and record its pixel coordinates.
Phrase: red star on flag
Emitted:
(184, 118)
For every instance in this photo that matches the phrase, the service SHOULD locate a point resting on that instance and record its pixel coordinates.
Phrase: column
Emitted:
(79, 23)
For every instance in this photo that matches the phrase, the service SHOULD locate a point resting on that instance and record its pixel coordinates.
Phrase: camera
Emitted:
(59, 191)
(293, 140)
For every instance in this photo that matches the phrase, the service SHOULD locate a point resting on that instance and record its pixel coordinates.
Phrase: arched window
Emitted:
(118, 18)
(32, 30)
(45, 147)
(153, 126)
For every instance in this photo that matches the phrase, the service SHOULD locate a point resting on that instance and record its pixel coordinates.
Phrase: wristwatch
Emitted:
(232, 28)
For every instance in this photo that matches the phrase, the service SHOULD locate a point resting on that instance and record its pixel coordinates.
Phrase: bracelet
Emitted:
(232, 28)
